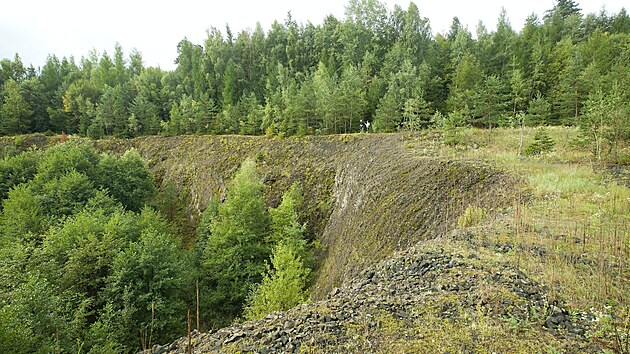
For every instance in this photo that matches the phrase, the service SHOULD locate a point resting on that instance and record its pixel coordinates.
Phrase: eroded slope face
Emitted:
(366, 196)
(386, 199)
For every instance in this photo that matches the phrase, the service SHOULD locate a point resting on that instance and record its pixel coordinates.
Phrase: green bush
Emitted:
(82, 259)
(283, 287)
(284, 284)
(127, 179)
(22, 217)
(15, 170)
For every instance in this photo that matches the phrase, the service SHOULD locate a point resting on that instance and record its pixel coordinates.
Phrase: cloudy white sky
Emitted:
(35, 28)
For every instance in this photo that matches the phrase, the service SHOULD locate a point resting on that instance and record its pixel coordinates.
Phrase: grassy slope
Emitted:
(570, 229)
(577, 214)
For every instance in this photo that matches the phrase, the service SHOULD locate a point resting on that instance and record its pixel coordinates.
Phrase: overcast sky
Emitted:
(36, 28)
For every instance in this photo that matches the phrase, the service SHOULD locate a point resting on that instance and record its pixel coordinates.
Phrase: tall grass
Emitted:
(570, 225)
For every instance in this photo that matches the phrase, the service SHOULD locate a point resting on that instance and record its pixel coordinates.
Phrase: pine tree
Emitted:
(538, 111)
(416, 114)
(518, 92)
(542, 143)
(283, 285)
(236, 252)
(490, 102)
(468, 76)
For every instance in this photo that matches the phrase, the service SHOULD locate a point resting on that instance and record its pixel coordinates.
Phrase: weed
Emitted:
(473, 215)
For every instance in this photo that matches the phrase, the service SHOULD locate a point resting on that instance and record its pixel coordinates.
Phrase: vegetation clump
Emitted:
(473, 215)
(241, 238)
(236, 247)
(541, 143)
(84, 260)
(284, 284)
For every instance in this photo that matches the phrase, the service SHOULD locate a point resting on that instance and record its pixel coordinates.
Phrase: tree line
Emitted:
(377, 65)
(92, 261)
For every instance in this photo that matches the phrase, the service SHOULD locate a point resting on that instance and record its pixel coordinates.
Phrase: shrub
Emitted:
(282, 288)
(472, 216)
(127, 179)
(284, 284)
(235, 255)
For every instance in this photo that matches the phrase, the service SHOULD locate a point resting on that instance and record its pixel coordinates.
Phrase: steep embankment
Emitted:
(366, 196)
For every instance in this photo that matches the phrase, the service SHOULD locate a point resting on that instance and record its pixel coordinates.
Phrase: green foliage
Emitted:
(144, 290)
(108, 264)
(236, 251)
(73, 233)
(127, 179)
(15, 170)
(404, 99)
(541, 144)
(282, 287)
(64, 158)
(31, 316)
(79, 253)
(285, 217)
(284, 284)
(79, 256)
(15, 337)
(538, 111)
(236, 237)
(203, 231)
(243, 212)
(15, 111)
(377, 64)
(23, 216)
(416, 114)
(172, 203)
(607, 120)
(65, 195)
(452, 125)
(490, 102)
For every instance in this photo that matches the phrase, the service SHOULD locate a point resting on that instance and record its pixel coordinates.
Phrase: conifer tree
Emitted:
(283, 285)
(236, 251)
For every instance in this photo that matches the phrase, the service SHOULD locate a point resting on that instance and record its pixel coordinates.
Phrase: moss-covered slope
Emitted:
(366, 196)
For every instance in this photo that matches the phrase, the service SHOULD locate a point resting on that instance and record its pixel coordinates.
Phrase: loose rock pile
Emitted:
(402, 299)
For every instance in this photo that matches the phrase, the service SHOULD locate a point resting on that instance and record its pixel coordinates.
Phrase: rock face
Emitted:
(438, 295)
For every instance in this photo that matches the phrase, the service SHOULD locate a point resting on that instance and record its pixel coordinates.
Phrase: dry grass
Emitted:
(569, 228)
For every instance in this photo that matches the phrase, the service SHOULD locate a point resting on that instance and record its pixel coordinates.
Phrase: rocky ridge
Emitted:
(438, 296)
